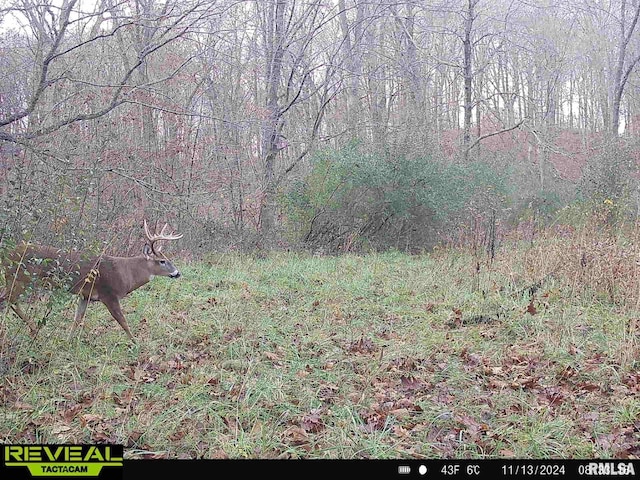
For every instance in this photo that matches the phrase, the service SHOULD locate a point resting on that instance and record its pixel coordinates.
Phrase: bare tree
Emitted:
(293, 77)
(469, 16)
(627, 25)
(61, 33)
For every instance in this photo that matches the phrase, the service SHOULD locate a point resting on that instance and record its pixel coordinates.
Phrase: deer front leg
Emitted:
(113, 304)
(80, 311)
(29, 321)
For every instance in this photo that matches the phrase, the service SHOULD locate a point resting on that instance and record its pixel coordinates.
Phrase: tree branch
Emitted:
(499, 132)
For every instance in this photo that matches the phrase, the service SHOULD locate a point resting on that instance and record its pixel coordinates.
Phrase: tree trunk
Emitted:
(468, 75)
(272, 126)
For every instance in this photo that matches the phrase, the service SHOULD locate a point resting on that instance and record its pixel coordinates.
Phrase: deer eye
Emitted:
(163, 262)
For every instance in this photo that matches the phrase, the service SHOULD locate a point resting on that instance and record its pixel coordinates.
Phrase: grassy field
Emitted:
(375, 356)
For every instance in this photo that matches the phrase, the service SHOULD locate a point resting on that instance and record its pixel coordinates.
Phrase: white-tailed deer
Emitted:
(104, 278)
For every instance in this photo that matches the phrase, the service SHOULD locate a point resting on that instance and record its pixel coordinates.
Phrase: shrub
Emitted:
(354, 199)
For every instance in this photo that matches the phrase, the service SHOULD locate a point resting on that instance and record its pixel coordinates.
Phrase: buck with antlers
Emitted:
(97, 278)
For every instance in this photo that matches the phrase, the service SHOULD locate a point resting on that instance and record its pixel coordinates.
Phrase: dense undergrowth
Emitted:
(533, 353)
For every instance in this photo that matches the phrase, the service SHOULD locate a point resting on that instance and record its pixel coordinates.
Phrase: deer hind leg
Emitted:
(80, 311)
(28, 320)
(113, 304)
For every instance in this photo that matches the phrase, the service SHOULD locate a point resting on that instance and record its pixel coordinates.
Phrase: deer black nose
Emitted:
(175, 274)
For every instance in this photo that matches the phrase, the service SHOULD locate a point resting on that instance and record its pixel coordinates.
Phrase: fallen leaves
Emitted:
(232, 334)
(624, 441)
(71, 412)
(455, 318)
(531, 309)
(409, 383)
(275, 357)
(126, 400)
(18, 405)
(312, 422)
(296, 435)
(328, 392)
(362, 346)
(305, 431)
(406, 364)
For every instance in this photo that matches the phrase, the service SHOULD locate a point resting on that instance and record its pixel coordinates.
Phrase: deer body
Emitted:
(103, 278)
(128, 274)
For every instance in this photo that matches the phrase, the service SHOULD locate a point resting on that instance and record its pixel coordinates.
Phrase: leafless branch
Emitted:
(499, 132)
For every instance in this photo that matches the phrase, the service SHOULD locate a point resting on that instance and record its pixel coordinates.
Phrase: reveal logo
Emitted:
(65, 460)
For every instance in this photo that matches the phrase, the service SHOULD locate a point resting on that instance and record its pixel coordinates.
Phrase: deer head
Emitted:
(151, 250)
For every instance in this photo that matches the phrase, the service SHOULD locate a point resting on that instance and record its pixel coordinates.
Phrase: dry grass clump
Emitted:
(594, 265)
(596, 261)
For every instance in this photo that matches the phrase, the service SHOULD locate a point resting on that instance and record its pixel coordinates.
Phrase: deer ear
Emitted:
(146, 250)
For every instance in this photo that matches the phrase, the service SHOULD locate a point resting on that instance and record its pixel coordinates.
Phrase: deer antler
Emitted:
(159, 236)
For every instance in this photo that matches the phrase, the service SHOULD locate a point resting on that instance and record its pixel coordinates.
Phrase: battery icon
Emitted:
(404, 469)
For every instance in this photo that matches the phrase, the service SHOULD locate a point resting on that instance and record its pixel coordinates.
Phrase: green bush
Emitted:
(353, 199)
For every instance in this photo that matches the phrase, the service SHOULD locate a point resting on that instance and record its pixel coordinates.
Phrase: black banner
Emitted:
(431, 469)
(106, 462)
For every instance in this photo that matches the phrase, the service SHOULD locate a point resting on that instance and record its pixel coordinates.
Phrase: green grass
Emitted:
(377, 356)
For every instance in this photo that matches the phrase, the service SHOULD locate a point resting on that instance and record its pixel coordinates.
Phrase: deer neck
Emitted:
(137, 273)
